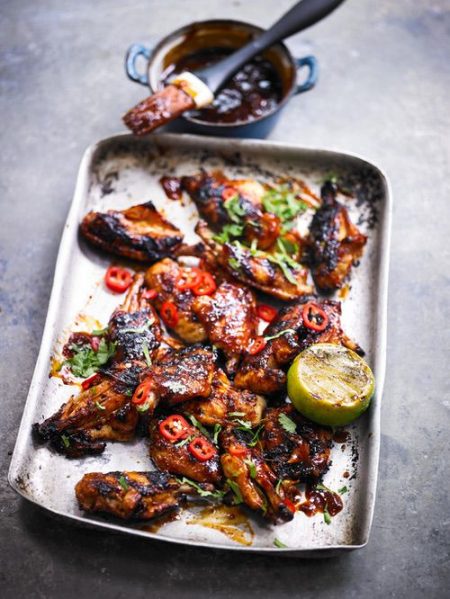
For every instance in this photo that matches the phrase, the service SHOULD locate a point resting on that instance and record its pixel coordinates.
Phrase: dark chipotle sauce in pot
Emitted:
(254, 91)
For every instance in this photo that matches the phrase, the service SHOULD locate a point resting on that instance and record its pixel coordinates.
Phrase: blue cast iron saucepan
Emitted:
(229, 35)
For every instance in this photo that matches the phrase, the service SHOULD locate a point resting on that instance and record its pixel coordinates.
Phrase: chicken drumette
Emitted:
(264, 372)
(140, 232)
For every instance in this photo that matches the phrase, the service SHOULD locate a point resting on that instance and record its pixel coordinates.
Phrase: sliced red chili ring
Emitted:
(238, 450)
(201, 449)
(91, 381)
(143, 393)
(188, 279)
(314, 317)
(266, 312)
(257, 345)
(169, 314)
(174, 427)
(206, 285)
(118, 279)
(290, 505)
(149, 294)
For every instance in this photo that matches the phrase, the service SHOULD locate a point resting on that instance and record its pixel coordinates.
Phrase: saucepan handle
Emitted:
(133, 53)
(310, 62)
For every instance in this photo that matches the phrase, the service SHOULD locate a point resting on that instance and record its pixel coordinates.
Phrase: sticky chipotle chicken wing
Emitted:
(140, 232)
(229, 318)
(130, 495)
(265, 371)
(334, 242)
(188, 454)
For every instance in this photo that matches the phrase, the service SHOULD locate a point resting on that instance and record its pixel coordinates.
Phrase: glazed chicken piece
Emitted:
(334, 242)
(300, 456)
(104, 411)
(229, 318)
(224, 400)
(246, 468)
(265, 371)
(178, 457)
(131, 495)
(163, 277)
(83, 424)
(259, 271)
(140, 232)
(182, 375)
(221, 201)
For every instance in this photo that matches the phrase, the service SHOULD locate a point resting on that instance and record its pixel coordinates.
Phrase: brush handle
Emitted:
(304, 14)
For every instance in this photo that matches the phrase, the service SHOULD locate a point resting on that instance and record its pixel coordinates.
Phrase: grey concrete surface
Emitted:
(383, 92)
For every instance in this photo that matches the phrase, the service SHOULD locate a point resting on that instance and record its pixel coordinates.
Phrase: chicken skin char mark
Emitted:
(105, 412)
(182, 375)
(163, 277)
(265, 372)
(131, 495)
(334, 243)
(257, 483)
(178, 459)
(229, 318)
(140, 232)
(210, 192)
(301, 456)
(255, 270)
(225, 399)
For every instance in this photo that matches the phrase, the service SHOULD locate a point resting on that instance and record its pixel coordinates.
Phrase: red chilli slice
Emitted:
(143, 393)
(118, 279)
(169, 314)
(266, 312)
(314, 317)
(256, 346)
(201, 449)
(174, 427)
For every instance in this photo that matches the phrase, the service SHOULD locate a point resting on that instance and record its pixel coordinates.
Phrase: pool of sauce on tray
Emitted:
(317, 500)
(255, 90)
(228, 520)
(172, 187)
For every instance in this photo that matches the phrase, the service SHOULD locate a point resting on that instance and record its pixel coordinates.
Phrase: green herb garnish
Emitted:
(280, 334)
(143, 408)
(198, 425)
(99, 406)
(99, 332)
(234, 209)
(278, 486)
(146, 354)
(65, 440)
(279, 544)
(184, 442)
(343, 490)
(236, 490)
(217, 429)
(255, 437)
(282, 202)
(85, 361)
(288, 424)
(321, 487)
(234, 263)
(236, 414)
(251, 468)
(139, 330)
(214, 494)
(326, 515)
(123, 483)
(228, 232)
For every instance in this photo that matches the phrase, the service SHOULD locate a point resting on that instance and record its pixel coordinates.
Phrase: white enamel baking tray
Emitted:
(121, 171)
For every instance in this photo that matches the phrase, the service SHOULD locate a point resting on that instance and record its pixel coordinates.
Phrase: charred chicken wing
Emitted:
(334, 243)
(140, 232)
(265, 371)
(180, 448)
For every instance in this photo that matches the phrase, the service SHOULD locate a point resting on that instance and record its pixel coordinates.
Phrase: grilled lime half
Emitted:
(330, 384)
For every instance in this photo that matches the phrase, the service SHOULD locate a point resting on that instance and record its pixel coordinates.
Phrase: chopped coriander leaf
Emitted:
(146, 354)
(184, 442)
(251, 468)
(255, 437)
(217, 429)
(234, 263)
(288, 424)
(123, 483)
(234, 209)
(139, 330)
(99, 332)
(99, 406)
(236, 490)
(236, 414)
(143, 408)
(85, 361)
(244, 424)
(282, 202)
(278, 486)
(280, 260)
(198, 425)
(65, 440)
(229, 231)
(187, 481)
(280, 334)
(343, 490)
(279, 544)
(128, 393)
(326, 515)
(322, 487)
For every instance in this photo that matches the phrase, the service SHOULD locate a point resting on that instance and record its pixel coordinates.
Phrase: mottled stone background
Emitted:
(383, 92)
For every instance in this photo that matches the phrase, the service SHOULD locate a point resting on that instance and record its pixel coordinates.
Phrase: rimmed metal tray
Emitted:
(121, 171)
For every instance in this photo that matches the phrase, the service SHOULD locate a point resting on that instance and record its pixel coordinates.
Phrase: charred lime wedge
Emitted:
(330, 384)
